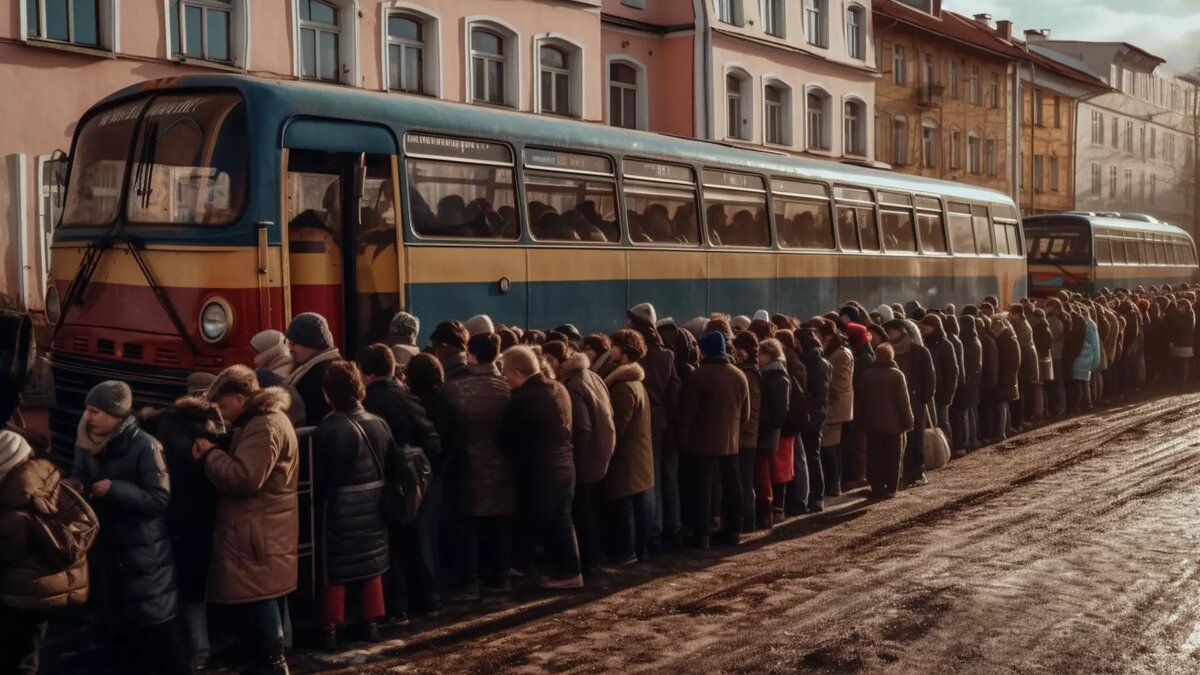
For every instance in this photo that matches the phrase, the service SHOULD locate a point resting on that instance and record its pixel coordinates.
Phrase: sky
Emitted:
(1166, 28)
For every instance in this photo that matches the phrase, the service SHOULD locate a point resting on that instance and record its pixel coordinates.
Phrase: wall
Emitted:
(1049, 140)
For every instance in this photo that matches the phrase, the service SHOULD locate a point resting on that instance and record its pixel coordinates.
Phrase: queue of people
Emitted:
(497, 456)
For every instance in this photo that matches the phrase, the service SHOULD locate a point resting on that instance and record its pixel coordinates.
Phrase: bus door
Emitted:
(343, 261)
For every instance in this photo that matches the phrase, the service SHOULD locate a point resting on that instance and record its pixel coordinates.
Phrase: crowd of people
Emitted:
(497, 456)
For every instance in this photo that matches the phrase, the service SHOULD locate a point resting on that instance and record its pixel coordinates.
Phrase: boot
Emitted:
(274, 660)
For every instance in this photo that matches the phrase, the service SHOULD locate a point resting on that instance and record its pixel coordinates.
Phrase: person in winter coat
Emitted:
(1074, 340)
(773, 468)
(630, 480)
(121, 469)
(1181, 322)
(988, 377)
(1028, 377)
(950, 325)
(1056, 392)
(662, 386)
(412, 580)
(916, 363)
(312, 348)
(714, 406)
(1089, 359)
(255, 472)
(817, 372)
(593, 439)
(1008, 370)
(599, 352)
(794, 423)
(402, 338)
(349, 448)
(535, 432)
(841, 405)
(484, 476)
(884, 413)
(38, 574)
(191, 514)
(745, 346)
(1043, 342)
(945, 369)
(966, 403)
(854, 443)
(271, 353)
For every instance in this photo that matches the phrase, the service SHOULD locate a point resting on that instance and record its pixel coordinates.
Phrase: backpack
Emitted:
(406, 473)
(798, 410)
(63, 538)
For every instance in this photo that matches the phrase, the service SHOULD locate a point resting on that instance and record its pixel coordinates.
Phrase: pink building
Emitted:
(790, 75)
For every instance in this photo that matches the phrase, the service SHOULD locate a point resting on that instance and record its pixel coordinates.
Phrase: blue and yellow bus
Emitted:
(1085, 252)
(203, 209)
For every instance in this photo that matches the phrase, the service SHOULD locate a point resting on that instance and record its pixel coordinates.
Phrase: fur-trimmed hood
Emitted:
(269, 400)
(628, 373)
(574, 364)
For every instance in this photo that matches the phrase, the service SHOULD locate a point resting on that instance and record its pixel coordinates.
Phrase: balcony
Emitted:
(929, 95)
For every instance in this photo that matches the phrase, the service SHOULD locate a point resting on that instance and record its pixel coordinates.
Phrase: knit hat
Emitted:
(857, 333)
(763, 315)
(266, 340)
(897, 325)
(644, 314)
(112, 397)
(310, 330)
(198, 383)
(572, 333)
(740, 322)
(712, 345)
(479, 325)
(853, 313)
(747, 342)
(885, 312)
(405, 327)
(696, 326)
(13, 450)
(450, 334)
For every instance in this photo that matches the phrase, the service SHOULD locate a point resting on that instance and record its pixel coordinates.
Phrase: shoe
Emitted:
(561, 583)
(700, 543)
(275, 662)
(466, 593)
(199, 664)
(778, 516)
(957, 454)
(328, 641)
(816, 507)
(394, 621)
(370, 632)
(918, 482)
(618, 563)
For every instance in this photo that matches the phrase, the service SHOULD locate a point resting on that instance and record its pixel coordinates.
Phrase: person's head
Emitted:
(268, 345)
(595, 346)
(762, 329)
(739, 323)
(480, 323)
(858, 334)
(642, 316)
(884, 352)
(931, 325)
(483, 348)
(449, 339)
(556, 354)
(627, 346)
(343, 385)
(571, 333)
(721, 326)
(712, 345)
(308, 335)
(895, 330)
(377, 362)
(424, 373)
(769, 351)
(508, 338)
(14, 450)
(808, 340)
(106, 407)
(199, 382)
(232, 391)
(745, 347)
(520, 364)
(404, 328)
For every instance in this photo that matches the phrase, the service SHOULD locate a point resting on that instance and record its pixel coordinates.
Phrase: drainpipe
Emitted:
(703, 79)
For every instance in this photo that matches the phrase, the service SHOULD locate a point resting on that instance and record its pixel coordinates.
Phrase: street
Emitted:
(1069, 549)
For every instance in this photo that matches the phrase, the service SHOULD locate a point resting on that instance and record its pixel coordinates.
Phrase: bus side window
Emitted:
(962, 239)
(930, 225)
(660, 202)
(802, 214)
(736, 208)
(856, 219)
(461, 188)
(983, 231)
(896, 218)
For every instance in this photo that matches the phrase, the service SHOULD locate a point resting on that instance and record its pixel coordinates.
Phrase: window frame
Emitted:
(344, 71)
(651, 181)
(898, 208)
(744, 97)
(857, 205)
(576, 66)
(973, 86)
(179, 51)
(923, 204)
(773, 14)
(816, 23)
(854, 126)
(718, 188)
(784, 109)
(511, 68)
(729, 12)
(899, 65)
(609, 178)
(822, 130)
(856, 32)
(108, 38)
(431, 26)
(930, 147)
(974, 154)
(639, 89)
(780, 192)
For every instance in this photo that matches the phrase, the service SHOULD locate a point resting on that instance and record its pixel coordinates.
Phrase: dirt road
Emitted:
(1070, 549)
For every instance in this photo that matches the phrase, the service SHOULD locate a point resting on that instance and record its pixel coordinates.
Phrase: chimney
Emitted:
(1035, 34)
(1004, 29)
(985, 19)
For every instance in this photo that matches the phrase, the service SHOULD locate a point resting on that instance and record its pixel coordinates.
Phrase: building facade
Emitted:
(1135, 141)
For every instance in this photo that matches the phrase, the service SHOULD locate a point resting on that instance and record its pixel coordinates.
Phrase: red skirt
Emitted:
(783, 468)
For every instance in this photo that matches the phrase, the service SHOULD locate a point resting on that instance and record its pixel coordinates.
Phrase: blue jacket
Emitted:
(1089, 358)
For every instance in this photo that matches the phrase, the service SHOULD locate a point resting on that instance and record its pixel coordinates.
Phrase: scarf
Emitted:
(298, 374)
(276, 359)
(774, 365)
(95, 444)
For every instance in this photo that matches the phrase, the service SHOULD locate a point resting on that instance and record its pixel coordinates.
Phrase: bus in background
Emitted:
(203, 209)
(1085, 252)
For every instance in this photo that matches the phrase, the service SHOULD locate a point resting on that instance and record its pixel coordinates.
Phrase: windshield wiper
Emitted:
(143, 179)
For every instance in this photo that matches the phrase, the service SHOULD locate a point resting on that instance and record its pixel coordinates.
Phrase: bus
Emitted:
(202, 209)
(1086, 252)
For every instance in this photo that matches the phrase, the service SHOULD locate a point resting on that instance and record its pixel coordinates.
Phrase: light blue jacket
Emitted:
(1089, 357)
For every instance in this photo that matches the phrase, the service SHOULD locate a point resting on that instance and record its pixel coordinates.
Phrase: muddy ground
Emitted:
(1072, 548)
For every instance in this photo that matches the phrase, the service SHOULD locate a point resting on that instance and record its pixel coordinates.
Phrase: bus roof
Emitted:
(1107, 223)
(290, 98)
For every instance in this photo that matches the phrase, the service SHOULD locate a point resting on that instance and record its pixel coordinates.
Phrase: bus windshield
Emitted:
(189, 161)
(1055, 241)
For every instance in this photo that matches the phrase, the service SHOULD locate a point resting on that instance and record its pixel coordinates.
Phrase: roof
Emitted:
(1108, 222)
(277, 101)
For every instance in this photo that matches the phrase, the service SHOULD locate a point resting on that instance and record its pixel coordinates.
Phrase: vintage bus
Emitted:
(1086, 252)
(203, 209)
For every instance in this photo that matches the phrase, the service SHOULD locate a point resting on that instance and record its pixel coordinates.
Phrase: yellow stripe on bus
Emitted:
(186, 267)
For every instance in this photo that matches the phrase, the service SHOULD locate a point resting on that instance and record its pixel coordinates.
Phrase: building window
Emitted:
(488, 63)
(992, 159)
(1169, 147)
(1037, 169)
(555, 81)
(1054, 175)
(815, 19)
(635, 4)
(899, 141)
(817, 120)
(1153, 188)
(994, 93)
(729, 11)
(1097, 127)
(1153, 143)
(200, 29)
(1142, 141)
(774, 21)
(1036, 116)
(856, 32)
(320, 38)
(973, 85)
(1057, 112)
(952, 75)
(929, 149)
(928, 76)
(776, 119)
(1097, 182)
(406, 53)
(899, 66)
(1142, 187)
(1129, 136)
(81, 22)
(1112, 182)
(854, 134)
(624, 96)
(955, 149)
(1116, 132)
(974, 165)
(738, 108)
(1128, 185)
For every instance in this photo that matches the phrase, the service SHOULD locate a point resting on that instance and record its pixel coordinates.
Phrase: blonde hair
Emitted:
(521, 360)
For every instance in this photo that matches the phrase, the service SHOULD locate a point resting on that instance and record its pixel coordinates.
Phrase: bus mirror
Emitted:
(60, 169)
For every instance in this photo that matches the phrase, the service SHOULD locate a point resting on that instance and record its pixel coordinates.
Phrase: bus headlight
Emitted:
(215, 321)
(53, 304)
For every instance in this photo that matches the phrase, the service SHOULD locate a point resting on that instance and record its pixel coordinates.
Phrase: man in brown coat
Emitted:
(714, 405)
(630, 482)
(884, 413)
(257, 524)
